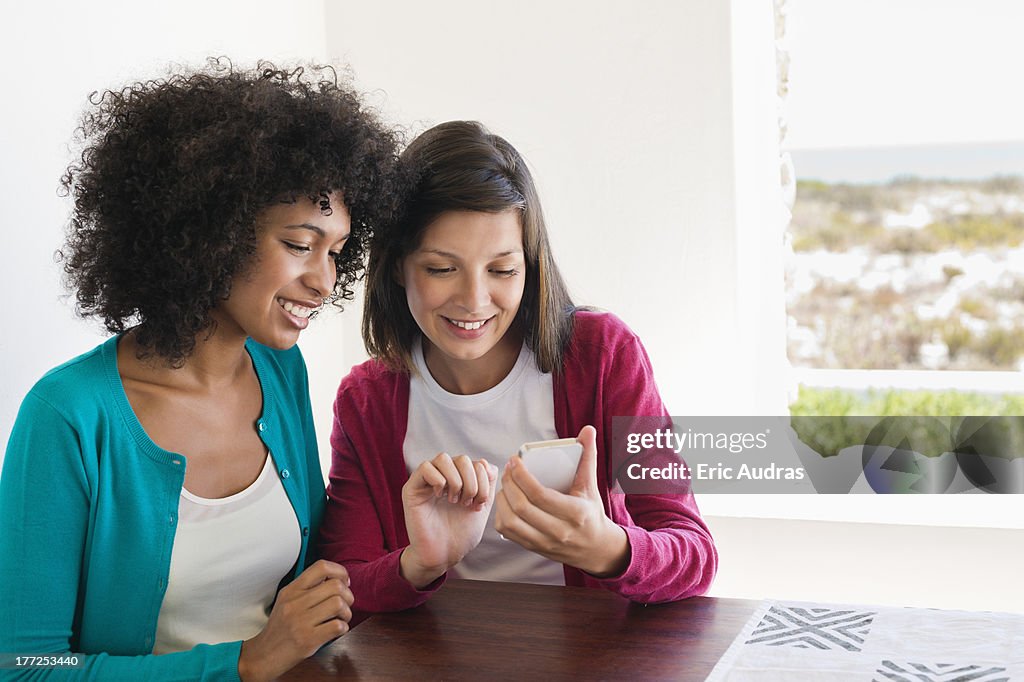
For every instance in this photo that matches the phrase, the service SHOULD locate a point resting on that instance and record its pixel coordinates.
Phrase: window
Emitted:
(907, 238)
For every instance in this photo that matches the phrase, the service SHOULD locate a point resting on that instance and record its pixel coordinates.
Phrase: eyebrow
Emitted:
(448, 254)
(313, 228)
(306, 226)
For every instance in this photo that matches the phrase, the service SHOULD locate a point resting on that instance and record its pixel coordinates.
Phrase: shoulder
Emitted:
(598, 331)
(602, 345)
(372, 403)
(77, 382)
(373, 376)
(373, 390)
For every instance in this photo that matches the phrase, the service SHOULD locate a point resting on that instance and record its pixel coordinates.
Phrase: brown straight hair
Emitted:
(461, 166)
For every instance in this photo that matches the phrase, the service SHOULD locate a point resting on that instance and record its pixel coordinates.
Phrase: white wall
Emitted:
(974, 569)
(625, 113)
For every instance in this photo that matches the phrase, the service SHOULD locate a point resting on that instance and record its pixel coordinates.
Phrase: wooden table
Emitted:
(483, 630)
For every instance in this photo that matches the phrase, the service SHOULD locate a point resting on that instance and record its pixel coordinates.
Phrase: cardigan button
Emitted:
(261, 427)
(285, 473)
(305, 531)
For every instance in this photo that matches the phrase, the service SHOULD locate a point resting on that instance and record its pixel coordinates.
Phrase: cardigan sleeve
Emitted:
(360, 504)
(673, 555)
(314, 470)
(44, 511)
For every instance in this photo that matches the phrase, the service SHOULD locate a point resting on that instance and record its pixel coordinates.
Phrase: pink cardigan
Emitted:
(606, 373)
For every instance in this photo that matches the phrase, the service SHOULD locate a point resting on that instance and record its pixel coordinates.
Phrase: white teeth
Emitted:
(295, 309)
(468, 325)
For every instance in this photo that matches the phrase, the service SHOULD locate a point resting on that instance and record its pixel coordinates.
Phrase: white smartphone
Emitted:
(553, 462)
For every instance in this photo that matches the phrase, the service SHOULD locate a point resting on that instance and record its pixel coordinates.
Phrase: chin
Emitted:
(276, 341)
(458, 352)
(467, 357)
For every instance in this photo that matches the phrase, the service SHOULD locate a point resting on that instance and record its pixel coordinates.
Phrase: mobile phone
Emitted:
(553, 462)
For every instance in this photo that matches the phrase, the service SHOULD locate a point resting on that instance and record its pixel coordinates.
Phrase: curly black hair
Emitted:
(174, 171)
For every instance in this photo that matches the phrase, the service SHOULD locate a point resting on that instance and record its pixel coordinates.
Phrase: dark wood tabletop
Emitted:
(483, 630)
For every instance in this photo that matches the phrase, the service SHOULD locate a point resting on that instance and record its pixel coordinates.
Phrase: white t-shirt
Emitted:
(492, 425)
(229, 556)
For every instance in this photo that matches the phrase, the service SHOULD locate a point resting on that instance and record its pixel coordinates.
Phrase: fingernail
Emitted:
(512, 464)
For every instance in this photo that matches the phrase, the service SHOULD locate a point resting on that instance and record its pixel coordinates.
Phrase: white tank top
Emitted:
(229, 556)
(493, 425)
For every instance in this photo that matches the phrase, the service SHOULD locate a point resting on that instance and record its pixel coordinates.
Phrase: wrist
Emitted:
(615, 558)
(249, 667)
(412, 569)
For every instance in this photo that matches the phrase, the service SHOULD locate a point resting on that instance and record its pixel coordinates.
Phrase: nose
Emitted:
(474, 295)
(322, 275)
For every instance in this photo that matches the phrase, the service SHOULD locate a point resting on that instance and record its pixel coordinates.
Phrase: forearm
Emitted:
(612, 555)
(378, 586)
(672, 557)
(415, 572)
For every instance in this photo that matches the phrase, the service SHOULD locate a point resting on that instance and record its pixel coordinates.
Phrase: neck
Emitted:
(216, 362)
(468, 377)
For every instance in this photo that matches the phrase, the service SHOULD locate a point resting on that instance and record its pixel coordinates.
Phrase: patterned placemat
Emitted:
(786, 641)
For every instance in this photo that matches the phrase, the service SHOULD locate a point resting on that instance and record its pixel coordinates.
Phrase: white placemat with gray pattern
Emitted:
(785, 641)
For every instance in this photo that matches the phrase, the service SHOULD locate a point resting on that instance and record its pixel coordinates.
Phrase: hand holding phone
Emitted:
(571, 528)
(553, 462)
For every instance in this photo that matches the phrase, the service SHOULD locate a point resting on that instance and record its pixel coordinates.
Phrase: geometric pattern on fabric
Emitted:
(813, 628)
(791, 641)
(938, 672)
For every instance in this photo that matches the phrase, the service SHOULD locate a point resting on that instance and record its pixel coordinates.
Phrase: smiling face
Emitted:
(464, 284)
(292, 271)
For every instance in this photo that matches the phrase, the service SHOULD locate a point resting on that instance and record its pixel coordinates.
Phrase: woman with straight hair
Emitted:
(159, 492)
(477, 348)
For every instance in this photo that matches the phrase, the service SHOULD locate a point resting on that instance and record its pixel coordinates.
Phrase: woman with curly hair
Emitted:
(477, 348)
(159, 490)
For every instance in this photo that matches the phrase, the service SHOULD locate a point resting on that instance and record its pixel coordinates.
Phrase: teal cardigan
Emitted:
(88, 513)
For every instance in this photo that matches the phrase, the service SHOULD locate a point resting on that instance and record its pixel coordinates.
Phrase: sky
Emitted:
(895, 72)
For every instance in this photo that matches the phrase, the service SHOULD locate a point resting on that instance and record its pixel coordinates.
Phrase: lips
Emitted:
(471, 325)
(297, 309)
(298, 313)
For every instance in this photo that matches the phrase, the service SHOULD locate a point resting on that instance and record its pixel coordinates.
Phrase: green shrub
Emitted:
(892, 402)
(975, 307)
(956, 337)
(936, 420)
(972, 232)
(950, 272)
(1002, 347)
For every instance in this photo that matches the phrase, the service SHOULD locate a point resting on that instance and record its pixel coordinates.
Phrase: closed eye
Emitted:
(439, 271)
(297, 248)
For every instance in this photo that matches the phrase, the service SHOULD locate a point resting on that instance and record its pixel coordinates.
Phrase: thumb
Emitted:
(586, 470)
